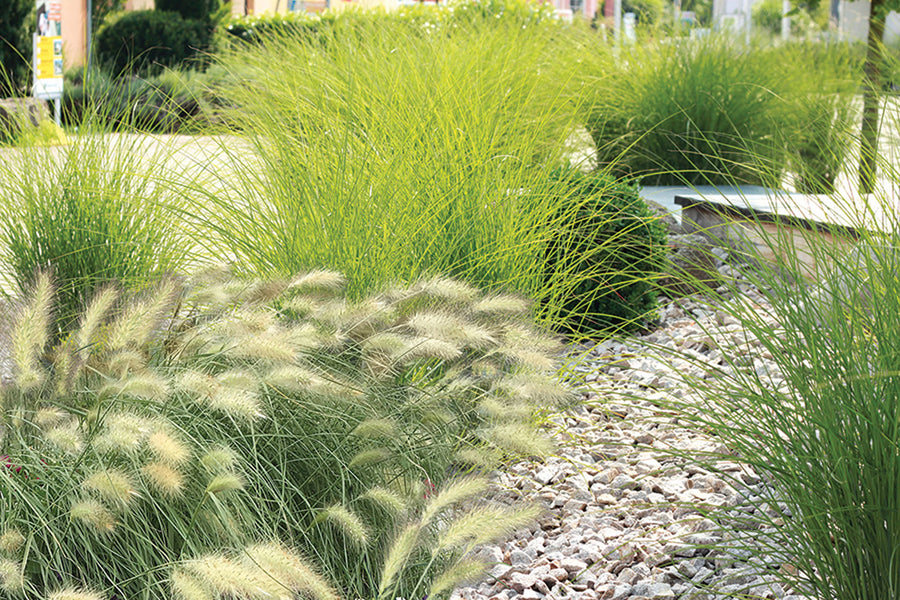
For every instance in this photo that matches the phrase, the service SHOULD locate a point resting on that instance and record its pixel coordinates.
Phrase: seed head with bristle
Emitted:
(369, 457)
(91, 319)
(456, 491)
(219, 460)
(125, 362)
(319, 279)
(518, 438)
(75, 594)
(111, 485)
(347, 523)
(231, 579)
(292, 379)
(387, 500)
(49, 416)
(138, 321)
(199, 385)
(288, 569)
(484, 524)
(124, 432)
(94, 514)
(376, 428)
(423, 347)
(66, 437)
(398, 555)
(263, 291)
(11, 541)
(164, 479)
(31, 333)
(187, 587)
(225, 482)
(450, 328)
(501, 304)
(271, 345)
(12, 578)
(448, 289)
(146, 386)
(238, 404)
(462, 571)
(168, 448)
(534, 389)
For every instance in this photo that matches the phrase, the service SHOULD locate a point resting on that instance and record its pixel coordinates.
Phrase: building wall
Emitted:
(74, 32)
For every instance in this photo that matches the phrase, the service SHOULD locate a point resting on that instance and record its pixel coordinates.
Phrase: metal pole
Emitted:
(90, 32)
(785, 19)
(57, 111)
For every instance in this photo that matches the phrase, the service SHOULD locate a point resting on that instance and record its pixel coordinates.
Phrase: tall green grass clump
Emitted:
(90, 212)
(714, 111)
(821, 426)
(222, 438)
(397, 149)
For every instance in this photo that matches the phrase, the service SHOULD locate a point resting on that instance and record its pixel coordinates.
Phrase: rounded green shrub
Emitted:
(647, 12)
(189, 9)
(144, 42)
(616, 237)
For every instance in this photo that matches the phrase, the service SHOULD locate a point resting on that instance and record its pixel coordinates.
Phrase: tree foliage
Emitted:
(14, 47)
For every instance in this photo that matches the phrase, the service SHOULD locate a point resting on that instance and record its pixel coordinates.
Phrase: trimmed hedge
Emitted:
(145, 42)
(617, 232)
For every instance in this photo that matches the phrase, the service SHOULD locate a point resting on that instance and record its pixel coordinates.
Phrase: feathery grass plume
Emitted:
(168, 448)
(369, 457)
(112, 485)
(376, 428)
(501, 305)
(288, 569)
(399, 552)
(386, 343)
(450, 328)
(460, 572)
(245, 322)
(237, 579)
(94, 514)
(387, 500)
(302, 306)
(124, 362)
(500, 409)
(31, 333)
(199, 385)
(225, 482)
(123, 432)
(347, 523)
(146, 386)
(238, 404)
(483, 524)
(271, 345)
(238, 379)
(12, 577)
(212, 298)
(219, 460)
(11, 541)
(535, 389)
(455, 491)
(365, 317)
(518, 438)
(479, 456)
(134, 326)
(447, 289)
(65, 367)
(48, 416)
(263, 291)
(187, 587)
(292, 379)
(320, 279)
(76, 594)
(164, 479)
(92, 318)
(66, 437)
(425, 348)
(305, 336)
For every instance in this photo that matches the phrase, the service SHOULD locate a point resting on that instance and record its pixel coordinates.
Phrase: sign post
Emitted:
(48, 54)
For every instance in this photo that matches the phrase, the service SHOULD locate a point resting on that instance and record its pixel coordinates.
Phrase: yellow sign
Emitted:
(48, 57)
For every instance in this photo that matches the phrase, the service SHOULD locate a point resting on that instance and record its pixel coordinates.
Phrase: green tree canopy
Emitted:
(15, 49)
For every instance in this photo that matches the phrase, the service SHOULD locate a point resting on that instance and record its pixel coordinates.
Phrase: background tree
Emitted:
(15, 46)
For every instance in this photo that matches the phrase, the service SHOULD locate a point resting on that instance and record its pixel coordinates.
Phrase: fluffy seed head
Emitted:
(31, 333)
(273, 346)
(369, 457)
(231, 579)
(197, 384)
(450, 328)
(124, 433)
(137, 323)
(112, 486)
(423, 347)
(187, 587)
(448, 289)
(291, 379)
(11, 541)
(320, 279)
(92, 318)
(464, 570)
(75, 594)
(288, 569)
(12, 579)
(164, 479)
(348, 524)
(49, 416)
(240, 405)
(94, 514)
(456, 491)
(219, 460)
(375, 428)
(398, 555)
(168, 448)
(224, 482)
(501, 304)
(518, 438)
(65, 437)
(126, 361)
(389, 501)
(484, 524)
